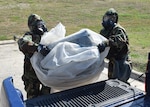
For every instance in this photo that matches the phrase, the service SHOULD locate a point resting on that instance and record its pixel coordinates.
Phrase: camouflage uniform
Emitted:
(28, 45)
(120, 65)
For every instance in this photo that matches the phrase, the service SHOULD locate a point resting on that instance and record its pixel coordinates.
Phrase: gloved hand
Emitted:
(102, 46)
(44, 50)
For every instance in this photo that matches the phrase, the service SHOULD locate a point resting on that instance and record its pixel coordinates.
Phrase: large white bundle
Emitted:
(73, 61)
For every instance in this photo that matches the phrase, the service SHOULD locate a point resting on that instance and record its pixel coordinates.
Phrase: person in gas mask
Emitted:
(119, 66)
(28, 44)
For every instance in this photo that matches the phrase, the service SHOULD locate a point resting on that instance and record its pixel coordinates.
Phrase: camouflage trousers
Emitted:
(119, 69)
(33, 86)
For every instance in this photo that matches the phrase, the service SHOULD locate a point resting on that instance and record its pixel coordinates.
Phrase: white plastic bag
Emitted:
(84, 37)
(68, 65)
(73, 61)
(56, 33)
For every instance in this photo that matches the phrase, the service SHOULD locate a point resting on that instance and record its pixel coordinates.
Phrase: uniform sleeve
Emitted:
(119, 39)
(26, 44)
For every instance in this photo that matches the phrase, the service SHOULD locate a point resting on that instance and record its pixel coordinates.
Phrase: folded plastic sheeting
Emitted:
(55, 34)
(73, 61)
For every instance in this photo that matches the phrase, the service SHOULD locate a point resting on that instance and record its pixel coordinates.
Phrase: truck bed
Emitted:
(107, 93)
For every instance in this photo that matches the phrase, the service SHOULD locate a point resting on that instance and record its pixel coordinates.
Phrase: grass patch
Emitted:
(77, 14)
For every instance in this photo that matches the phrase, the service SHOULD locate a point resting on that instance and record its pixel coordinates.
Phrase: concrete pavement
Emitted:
(11, 64)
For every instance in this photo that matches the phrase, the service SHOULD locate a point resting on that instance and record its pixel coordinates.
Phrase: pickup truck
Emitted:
(106, 93)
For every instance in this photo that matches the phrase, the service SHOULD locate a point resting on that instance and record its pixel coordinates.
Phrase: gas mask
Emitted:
(109, 21)
(39, 28)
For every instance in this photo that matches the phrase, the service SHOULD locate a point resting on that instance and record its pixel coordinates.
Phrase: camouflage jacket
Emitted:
(119, 45)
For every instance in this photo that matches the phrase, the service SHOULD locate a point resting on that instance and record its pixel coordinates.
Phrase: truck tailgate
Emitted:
(108, 93)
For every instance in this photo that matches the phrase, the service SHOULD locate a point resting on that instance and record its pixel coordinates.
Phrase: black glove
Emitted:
(102, 46)
(44, 50)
